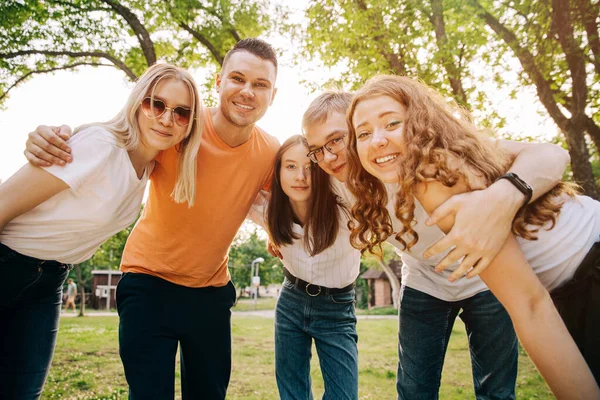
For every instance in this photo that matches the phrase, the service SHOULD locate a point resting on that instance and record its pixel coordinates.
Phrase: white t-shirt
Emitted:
(418, 272)
(336, 267)
(554, 257)
(71, 289)
(104, 197)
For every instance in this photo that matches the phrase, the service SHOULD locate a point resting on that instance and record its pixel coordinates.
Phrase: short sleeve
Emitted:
(91, 149)
(267, 185)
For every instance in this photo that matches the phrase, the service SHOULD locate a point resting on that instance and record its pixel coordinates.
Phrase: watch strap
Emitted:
(520, 184)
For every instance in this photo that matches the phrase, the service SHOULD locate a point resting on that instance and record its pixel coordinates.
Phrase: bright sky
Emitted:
(96, 94)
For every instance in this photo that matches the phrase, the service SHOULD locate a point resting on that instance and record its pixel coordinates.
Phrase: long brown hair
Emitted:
(435, 132)
(322, 222)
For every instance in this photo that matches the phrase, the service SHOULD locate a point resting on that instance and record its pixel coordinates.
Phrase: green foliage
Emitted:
(372, 261)
(399, 37)
(43, 37)
(247, 247)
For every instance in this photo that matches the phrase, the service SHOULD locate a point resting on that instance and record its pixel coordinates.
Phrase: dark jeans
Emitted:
(578, 302)
(331, 322)
(425, 327)
(156, 316)
(29, 311)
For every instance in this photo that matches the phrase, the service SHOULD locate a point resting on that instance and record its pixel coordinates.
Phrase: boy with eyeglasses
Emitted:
(429, 303)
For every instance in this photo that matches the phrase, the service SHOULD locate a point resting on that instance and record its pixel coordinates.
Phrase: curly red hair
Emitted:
(437, 133)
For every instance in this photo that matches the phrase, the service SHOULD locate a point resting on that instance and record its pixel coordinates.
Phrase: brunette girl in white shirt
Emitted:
(51, 218)
(308, 224)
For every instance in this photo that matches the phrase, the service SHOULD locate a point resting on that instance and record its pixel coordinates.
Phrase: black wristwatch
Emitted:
(519, 184)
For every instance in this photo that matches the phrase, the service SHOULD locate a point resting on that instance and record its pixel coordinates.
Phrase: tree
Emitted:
(246, 247)
(556, 43)
(433, 40)
(373, 261)
(44, 37)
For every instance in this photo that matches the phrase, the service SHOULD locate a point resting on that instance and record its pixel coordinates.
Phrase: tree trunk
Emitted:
(82, 289)
(453, 71)
(580, 161)
(593, 131)
(394, 282)
(572, 127)
(140, 30)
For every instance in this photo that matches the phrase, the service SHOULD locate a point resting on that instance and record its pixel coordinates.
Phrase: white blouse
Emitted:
(336, 267)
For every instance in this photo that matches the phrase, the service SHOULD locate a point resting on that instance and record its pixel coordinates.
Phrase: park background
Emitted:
(527, 70)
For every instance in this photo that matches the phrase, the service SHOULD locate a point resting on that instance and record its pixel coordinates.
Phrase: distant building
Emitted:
(104, 288)
(380, 289)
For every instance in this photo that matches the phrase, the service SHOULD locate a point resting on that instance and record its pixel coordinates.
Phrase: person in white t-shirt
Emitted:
(71, 293)
(51, 218)
(405, 134)
(308, 224)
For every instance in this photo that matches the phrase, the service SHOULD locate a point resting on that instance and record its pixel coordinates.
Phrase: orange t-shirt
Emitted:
(189, 246)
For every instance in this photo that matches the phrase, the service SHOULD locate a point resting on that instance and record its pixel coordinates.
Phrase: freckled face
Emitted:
(294, 174)
(379, 127)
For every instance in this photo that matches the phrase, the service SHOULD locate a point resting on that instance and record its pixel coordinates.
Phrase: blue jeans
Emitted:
(29, 311)
(425, 325)
(331, 322)
(155, 316)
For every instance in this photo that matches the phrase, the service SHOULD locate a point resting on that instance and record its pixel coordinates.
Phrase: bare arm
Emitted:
(542, 165)
(536, 321)
(47, 145)
(483, 218)
(25, 190)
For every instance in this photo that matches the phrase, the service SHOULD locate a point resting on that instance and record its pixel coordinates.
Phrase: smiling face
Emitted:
(379, 126)
(295, 174)
(246, 88)
(162, 133)
(317, 135)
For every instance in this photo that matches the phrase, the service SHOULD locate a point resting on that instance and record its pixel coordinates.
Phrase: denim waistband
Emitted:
(5, 251)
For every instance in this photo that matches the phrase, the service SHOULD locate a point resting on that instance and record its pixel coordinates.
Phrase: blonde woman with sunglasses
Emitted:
(51, 218)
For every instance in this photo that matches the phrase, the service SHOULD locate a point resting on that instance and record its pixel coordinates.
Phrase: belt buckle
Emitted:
(309, 293)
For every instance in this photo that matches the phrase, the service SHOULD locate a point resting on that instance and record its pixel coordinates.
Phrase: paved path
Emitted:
(260, 313)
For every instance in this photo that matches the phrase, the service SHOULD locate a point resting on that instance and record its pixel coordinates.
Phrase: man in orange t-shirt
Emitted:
(176, 288)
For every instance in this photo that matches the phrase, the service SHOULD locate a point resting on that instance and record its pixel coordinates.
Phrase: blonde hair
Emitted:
(320, 108)
(126, 128)
(436, 133)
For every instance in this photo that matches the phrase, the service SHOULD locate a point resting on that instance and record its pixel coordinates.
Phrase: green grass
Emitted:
(262, 303)
(87, 365)
(387, 310)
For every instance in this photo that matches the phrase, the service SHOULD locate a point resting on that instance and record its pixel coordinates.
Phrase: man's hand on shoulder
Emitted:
(47, 145)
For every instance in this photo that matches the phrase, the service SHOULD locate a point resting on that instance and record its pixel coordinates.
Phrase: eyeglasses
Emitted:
(155, 108)
(333, 146)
